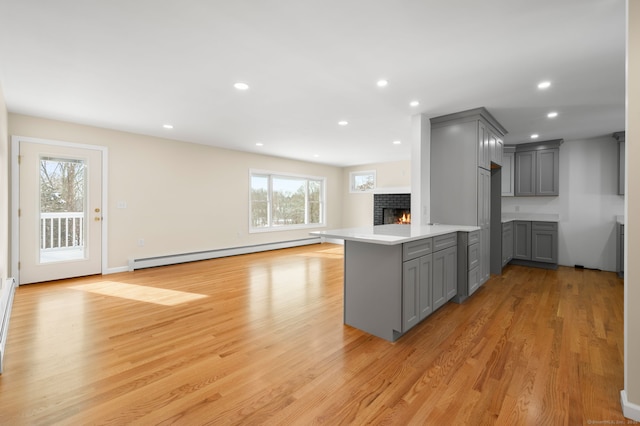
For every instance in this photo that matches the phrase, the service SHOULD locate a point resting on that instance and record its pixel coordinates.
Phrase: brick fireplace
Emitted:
(388, 208)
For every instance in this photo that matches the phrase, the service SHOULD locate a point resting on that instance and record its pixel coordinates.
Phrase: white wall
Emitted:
(181, 197)
(587, 204)
(632, 226)
(5, 161)
(357, 208)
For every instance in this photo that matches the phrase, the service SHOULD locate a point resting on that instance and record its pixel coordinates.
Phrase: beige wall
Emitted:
(180, 197)
(357, 208)
(632, 226)
(4, 190)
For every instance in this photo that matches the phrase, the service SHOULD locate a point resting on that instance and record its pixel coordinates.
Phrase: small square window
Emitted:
(364, 181)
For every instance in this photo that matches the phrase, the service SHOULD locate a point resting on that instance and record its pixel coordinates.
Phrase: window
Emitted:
(279, 201)
(362, 181)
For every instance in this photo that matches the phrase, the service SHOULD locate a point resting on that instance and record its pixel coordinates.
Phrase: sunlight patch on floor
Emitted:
(141, 293)
(332, 253)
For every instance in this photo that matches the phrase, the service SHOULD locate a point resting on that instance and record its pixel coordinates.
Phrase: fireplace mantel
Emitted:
(393, 190)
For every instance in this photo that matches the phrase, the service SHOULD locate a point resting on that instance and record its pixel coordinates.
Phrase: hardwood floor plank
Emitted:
(259, 339)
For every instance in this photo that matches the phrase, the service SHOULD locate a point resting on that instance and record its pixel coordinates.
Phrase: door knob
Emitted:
(97, 218)
(97, 210)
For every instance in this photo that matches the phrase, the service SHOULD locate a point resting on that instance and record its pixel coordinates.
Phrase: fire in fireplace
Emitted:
(396, 216)
(389, 208)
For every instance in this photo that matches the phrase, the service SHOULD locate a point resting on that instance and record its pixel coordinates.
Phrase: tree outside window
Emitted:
(363, 181)
(280, 201)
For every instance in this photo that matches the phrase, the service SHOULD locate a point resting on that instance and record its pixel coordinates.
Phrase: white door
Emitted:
(60, 212)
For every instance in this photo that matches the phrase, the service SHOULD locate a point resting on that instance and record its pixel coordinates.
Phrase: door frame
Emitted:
(15, 197)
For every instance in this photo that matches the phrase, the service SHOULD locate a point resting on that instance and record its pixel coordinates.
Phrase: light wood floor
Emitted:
(259, 339)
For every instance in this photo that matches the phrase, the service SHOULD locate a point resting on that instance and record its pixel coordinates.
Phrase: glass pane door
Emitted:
(62, 209)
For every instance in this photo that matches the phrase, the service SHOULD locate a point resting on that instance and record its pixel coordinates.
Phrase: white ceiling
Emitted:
(135, 65)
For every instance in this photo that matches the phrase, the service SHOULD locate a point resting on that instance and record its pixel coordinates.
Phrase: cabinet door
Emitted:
(544, 242)
(522, 240)
(425, 304)
(495, 148)
(507, 174)
(484, 197)
(439, 279)
(483, 146)
(499, 151)
(525, 173)
(410, 293)
(474, 280)
(485, 255)
(547, 171)
(507, 243)
(451, 272)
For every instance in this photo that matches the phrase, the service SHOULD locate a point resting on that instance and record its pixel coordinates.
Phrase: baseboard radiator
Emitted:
(6, 302)
(152, 262)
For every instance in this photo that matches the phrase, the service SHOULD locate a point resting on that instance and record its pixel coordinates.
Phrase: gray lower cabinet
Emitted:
(469, 268)
(507, 242)
(444, 276)
(388, 289)
(536, 242)
(522, 240)
(429, 277)
(544, 242)
(416, 290)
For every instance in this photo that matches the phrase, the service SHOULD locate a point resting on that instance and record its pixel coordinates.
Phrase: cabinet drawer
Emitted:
(473, 256)
(474, 237)
(415, 249)
(544, 226)
(445, 241)
(507, 226)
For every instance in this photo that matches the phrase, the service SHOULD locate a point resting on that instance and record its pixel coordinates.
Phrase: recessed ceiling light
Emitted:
(167, 126)
(343, 122)
(316, 155)
(414, 103)
(382, 83)
(259, 144)
(552, 114)
(241, 86)
(535, 136)
(544, 85)
(397, 142)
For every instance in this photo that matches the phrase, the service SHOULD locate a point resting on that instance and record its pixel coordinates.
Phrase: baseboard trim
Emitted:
(152, 262)
(629, 409)
(6, 303)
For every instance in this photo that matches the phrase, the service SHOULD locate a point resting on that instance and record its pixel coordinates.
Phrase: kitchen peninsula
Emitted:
(397, 275)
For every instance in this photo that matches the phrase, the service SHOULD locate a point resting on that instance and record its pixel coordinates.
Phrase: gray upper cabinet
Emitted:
(508, 168)
(620, 137)
(525, 176)
(496, 148)
(537, 169)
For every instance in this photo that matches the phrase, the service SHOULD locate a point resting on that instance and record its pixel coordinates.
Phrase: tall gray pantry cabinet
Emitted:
(465, 146)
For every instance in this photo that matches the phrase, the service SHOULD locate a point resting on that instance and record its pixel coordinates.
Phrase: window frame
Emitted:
(352, 177)
(278, 228)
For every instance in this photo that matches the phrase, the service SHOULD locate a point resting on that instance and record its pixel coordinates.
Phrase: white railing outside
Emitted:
(61, 230)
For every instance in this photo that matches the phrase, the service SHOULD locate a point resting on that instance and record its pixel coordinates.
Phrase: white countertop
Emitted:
(534, 217)
(392, 234)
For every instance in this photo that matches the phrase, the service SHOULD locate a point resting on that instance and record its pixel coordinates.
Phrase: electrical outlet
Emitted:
(141, 242)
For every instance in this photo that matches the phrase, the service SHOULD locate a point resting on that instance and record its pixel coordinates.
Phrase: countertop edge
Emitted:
(361, 234)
